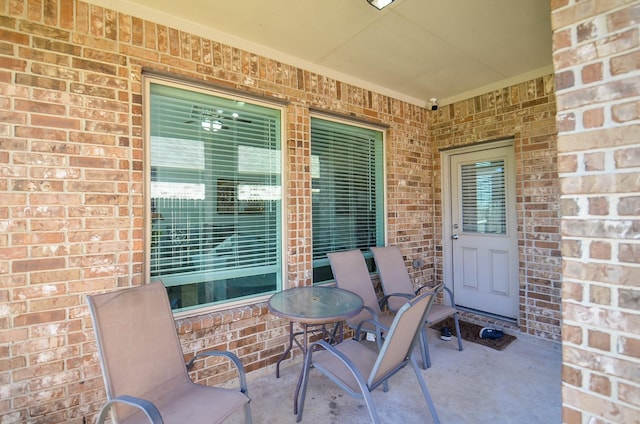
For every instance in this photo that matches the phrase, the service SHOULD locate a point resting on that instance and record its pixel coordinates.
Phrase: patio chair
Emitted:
(145, 376)
(358, 369)
(351, 273)
(397, 287)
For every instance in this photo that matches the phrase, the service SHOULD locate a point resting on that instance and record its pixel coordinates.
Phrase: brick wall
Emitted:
(72, 195)
(597, 64)
(525, 112)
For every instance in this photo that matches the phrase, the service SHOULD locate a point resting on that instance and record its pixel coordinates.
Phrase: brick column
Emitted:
(596, 59)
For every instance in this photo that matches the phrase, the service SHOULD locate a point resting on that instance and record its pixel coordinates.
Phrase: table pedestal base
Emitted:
(314, 308)
(333, 336)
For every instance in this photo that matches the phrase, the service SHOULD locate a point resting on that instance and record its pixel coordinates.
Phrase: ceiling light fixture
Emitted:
(209, 125)
(380, 4)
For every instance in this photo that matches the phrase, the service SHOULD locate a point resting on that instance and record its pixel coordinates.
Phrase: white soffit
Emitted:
(412, 50)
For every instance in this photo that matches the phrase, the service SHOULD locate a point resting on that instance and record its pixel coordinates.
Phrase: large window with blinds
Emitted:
(347, 169)
(214, 190)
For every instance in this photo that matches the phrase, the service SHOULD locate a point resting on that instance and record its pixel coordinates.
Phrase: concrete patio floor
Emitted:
(520, 384)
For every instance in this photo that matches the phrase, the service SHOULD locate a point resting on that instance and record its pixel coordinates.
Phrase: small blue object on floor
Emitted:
(490, 333)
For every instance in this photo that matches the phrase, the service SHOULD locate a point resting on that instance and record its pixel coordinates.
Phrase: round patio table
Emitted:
(312, 307)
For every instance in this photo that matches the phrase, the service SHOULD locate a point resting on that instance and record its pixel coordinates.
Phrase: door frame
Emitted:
(447, 231)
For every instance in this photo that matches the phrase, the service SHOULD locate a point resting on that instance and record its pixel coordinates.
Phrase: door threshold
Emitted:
(486, 319)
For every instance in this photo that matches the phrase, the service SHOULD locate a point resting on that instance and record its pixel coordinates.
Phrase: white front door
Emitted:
(484, 242)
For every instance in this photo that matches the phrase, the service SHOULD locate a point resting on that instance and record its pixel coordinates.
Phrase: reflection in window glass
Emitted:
(215, 188)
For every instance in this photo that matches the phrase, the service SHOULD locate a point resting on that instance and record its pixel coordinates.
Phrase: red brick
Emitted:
(625, 63)
(630, 346)
(629, 393)
(565, 80)
(572, 334)
(557, 4)
(600, 250)
(598, 139)
(626, 112)
(14, 37)
(618, 43)
(566, 121)
(624, 18)
(31, 265)
(600, 384)
(36, 239)
(40, 82)
(594, 161)
(48, 368)
(39, 107)
(599, 340)
(561, 39)
(629, 205)
(54, 121)
(40, 133)
(42, 206)
(11, 363)
(39, 318)
(600, 295)
(598, 205)
(592, 73)
(571, 248)
(15, 335)
(628, 299)
(111, 25)
(13, 64)
(66, 13)
(627, 158)
(567, 163)
(586, 31)
(570, 415)
(614, 90)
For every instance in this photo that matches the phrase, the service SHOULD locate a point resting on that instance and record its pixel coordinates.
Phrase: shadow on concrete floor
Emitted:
(478, 385)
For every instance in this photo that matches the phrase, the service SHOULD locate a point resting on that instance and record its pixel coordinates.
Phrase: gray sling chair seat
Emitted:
(397, 287)
(351, 273)
(143, 366)
(358, 369)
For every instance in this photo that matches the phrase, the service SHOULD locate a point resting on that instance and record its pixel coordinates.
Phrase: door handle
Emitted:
(455, 237)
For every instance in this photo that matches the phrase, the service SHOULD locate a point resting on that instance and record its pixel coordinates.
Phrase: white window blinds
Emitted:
(347, 192)
(483, 197)
(215, 187)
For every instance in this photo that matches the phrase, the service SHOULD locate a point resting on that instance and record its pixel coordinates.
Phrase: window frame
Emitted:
(281, 242)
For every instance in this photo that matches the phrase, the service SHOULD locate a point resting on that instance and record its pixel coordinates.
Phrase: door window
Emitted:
(483, 198)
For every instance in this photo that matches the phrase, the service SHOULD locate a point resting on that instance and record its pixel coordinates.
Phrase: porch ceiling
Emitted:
(413, 50)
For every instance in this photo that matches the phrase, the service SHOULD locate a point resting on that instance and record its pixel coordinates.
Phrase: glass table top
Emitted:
(315, 305)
